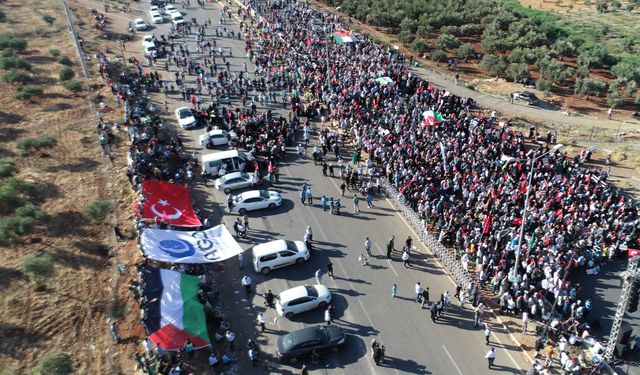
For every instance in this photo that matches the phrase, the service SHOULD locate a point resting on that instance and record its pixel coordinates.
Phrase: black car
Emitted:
(306, 340)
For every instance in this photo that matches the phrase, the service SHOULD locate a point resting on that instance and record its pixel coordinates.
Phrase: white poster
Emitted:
(173, 246)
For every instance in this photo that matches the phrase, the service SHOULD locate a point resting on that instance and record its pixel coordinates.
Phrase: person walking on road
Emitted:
(318, 276)
(367, 246)
(487, 333)
(327, 316)
(262, 321)
(425, 298)
(405, 259)
(303, 195)
(356, 207)
(419, 290)
(246, 282)
(408, 243)
(323, 203)
(525, 322)
(369, 200)
(394, 290)
(491, 356)
(309, 195)
(390, 246)
(309, 233)
(330, 269)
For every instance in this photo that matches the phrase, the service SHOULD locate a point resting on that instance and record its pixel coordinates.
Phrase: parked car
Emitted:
(302, 298)
(185, 118)
(526, 96)
(236, 180)
(147, 39)
(151, 50)
(170, 8)
(277, 254)
(254, 200)
(140, 25)
(216, 137)
(307, 340)
(156, 17)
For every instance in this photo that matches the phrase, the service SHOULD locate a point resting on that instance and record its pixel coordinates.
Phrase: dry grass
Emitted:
(70, 315)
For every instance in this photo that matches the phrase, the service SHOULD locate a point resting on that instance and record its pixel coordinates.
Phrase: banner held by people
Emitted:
(169, 203)
(209, 246)
(174, 312)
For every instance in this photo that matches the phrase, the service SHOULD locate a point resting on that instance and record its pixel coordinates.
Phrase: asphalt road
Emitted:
(361, 294)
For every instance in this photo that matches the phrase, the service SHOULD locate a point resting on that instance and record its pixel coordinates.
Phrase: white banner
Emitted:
(209, 246)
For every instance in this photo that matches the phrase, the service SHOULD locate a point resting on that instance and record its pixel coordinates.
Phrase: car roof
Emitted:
(183, 108)
(293, 293)
(307, 334)
(217, 131)
(232, 175)
(221, 155)
(268, 247)
(138, 20)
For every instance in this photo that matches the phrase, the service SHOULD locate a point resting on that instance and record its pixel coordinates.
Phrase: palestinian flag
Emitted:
(175, 313)
(344, 37)
(432, 118)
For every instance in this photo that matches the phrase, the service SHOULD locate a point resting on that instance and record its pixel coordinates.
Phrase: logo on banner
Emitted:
(177, 248)
(206, 245)
(177, 213)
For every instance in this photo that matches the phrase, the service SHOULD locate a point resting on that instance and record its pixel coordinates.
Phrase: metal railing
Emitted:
(460, 275)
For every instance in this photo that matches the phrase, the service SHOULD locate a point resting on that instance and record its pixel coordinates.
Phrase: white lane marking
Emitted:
(507, 351)
(388, 261)
(452, 360)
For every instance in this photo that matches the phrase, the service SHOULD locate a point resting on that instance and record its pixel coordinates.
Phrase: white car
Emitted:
(216, 137)
(236, 180)
(151, 50)
(147, 39)
(185, 118)
(254, 200)
(156, 17)
(170, 8)
(140, 25)
(155, 8)
(277, 254)
(302, 298)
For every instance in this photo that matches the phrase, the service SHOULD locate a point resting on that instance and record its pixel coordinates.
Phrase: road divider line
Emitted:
(452, 360)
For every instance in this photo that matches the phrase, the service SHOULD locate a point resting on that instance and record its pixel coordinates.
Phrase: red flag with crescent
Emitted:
(168, 202)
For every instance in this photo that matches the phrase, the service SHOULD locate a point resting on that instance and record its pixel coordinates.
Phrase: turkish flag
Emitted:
(487, 224)
(168, 202)
(633, 252)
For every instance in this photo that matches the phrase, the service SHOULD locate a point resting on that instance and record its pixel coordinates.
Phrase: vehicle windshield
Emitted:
(291, 246)
(185, 112)
(322, 333)
(311, 291)
(287, 341)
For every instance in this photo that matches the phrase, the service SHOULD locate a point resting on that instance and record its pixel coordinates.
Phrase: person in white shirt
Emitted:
(262, 321)
(491, 356)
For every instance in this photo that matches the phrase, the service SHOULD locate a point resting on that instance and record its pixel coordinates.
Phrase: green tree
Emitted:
(614, 99)
(409, 25)
(420, 45)
(518, 72)
(553, 70)
(602, 6)
(438, 56)
(14, 62)
(465, 51)
(7, 168)
(406, 37)
(493, 64)
(74, 86)
(544, 86)
(9, 41)
(16, 76)
(29, 145)
(595, 57)
(564, 48)
(65, 74)
(3, 16)
(28, 92)
(425, 30)
(98, 211)
(55, 364)
(447, 41)
(39, 268)
(626, 71)
(582, 71)
(521, 55)
(630, 88)
(65, 60)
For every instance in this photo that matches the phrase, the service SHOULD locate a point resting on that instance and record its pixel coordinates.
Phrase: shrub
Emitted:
(630, 88)
(450, 29)
(54, 364)
(470, 29)
(7, 52)
(518, 72)
(28, 92)
(614, 99)
(54, 52)
(602, 6)
(14, 62)
(3, 16)
(420, 45)
(7, 168)
(65, 73)
(10, 41)
(39, 269)
(12, 227)
(48, 19)
(465, 51)
(409, 25)
(16, 76)
(438, 56)
(29, 145)
(97, 211)
(30, 210)
(74, 86)
(544, 86)
(65, 60)
(424, 30)
(14, 193)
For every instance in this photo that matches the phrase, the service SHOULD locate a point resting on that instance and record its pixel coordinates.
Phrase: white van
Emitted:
(221, 163)
(176, 16)
(278, 253)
